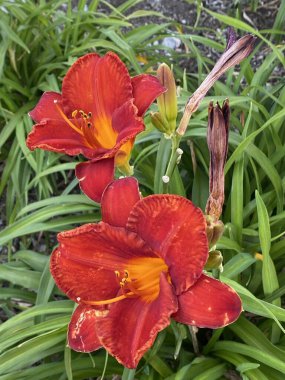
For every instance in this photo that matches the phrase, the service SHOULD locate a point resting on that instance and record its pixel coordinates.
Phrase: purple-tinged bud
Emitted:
(167, 102)
(217, 139)
(235, 52)
(232, 37)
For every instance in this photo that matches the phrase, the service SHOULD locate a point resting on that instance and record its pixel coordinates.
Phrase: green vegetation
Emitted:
(40, 194)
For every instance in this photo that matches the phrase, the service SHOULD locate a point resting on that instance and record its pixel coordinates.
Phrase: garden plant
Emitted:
(142, 192)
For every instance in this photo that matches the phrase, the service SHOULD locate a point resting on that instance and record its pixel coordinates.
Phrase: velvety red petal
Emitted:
(45, 109)
(57, 136)
(175, 228)
(82, 335)
(94, 176)
(85, 262)
(96, 84)
(131, 326)
(118, 200)
(146, 88)
(126, 122)
(208, 303)
(76, 278)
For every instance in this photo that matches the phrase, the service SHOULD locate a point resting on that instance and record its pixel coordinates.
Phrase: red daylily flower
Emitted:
(137, 269)
(98, 114)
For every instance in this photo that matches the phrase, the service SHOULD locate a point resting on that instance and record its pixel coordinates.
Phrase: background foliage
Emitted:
(40, 196)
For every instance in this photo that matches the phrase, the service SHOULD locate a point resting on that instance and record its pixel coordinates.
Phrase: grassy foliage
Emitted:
(41, 197)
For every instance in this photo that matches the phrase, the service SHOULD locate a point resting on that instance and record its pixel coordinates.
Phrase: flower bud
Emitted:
(159, 122)
(217, 139)
(214, 229)
(167, 102)
(214, 261)
(236, 51)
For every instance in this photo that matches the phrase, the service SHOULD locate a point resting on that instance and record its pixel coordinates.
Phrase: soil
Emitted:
(185, 12)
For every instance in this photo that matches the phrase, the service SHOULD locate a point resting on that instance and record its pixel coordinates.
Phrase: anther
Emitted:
(117, 273)
(89, 124)
(89, 114)
(126, 273)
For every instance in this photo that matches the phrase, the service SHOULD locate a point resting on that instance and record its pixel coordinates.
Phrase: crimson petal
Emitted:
(57, 136)
(208, 303)
(175, 228)
(118, 200)
(146, 88)
(126, 122)
(96, 84)
(94, 176)
(82, 335)
(131, 326)
(46, 109)
(85, 262)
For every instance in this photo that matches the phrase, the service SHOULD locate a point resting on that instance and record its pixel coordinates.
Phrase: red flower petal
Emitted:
(208, 303)
(96, 84)
(94, 176)
(118, 200)
(131, 326)
(126, 122)
(175, 228)
(146, 88)
(45, 109)
(76, 278)
(84, 264)
(82, 334)
(57, 136)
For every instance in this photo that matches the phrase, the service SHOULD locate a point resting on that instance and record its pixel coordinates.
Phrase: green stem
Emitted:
(172, 161)
(128, 374)
(193, 332)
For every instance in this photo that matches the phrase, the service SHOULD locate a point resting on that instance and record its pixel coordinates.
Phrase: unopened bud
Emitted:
(214, 261)
(167, 102)
(214, 229)
(159, 122)
(217, 139)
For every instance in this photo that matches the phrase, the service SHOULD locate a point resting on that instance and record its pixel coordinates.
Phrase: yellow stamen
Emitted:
(111, 300)
(65, 118)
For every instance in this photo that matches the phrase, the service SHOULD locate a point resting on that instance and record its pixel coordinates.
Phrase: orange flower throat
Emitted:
(85, 125)
(103, 137)
(141, 278)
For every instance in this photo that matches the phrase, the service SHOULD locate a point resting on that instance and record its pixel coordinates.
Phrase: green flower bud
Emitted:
(167, 102)
(159, 122)
(214, 261)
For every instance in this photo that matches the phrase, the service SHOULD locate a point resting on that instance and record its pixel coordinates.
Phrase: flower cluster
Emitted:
(142, 265)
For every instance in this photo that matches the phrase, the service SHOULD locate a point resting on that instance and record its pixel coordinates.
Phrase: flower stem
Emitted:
(128, 374)
(193, 332)
(175, 155)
